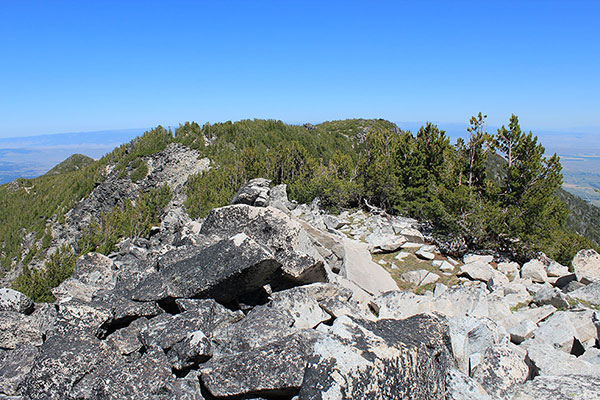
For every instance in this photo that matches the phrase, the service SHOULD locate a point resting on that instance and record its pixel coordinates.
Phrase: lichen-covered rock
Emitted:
(501, 369)
(16, 328)
(187, 388)
(15, 367)
(564, 387)
(589, 293)
(63, 362)
(462, 387)
(276, 368)
(586, 263)
(166, 330)
(12, 300)
(262, 325)
(224, 271)
(127, 340)
(124, 310)
(471, 337)
(96, 270)
(387, 359)
(147, 377)
(552, 296)
(300, 306)
(194, 349)
(75, 314)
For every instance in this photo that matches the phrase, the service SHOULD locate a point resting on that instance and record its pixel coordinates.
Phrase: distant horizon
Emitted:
(412, 125)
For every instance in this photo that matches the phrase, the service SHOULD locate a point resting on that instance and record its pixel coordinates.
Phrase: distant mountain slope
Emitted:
(584, 218)
(32, 156)
(73, 163)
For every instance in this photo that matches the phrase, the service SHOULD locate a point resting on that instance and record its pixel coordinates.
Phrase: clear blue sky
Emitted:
(90, 65)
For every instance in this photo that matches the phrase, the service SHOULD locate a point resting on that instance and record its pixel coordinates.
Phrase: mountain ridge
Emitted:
(233, 153)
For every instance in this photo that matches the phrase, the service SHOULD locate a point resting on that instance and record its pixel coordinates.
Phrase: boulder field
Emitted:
(267, 299)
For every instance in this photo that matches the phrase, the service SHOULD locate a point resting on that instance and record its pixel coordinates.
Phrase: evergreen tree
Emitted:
(476, 149)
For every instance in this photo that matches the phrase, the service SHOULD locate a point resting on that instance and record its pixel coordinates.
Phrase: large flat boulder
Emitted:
(224, 271)
(551, 361)
(477, 270)
(285, 237)
(276, 368)
(586, 263)
(15, 367)
(64, 362)
(262, 325)
(360, 268)
(387, 359)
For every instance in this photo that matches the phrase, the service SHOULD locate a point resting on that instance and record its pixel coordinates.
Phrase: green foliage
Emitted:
(73, 163)
(38, 284)
(190, 134)
(27, 204)
(140, 170)
(149, 143)
(308, 160)
(467, 191)
(130, 219)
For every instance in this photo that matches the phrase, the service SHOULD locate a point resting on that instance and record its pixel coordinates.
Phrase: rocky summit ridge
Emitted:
(268, 299)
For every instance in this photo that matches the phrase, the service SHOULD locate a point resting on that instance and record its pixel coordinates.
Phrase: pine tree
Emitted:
(476, 149)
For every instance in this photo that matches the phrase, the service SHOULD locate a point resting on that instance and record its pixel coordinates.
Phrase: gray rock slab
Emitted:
(564, 387)
(557, 331)
(276, 368)
(473, 258)
(462, 387)
(63, 362)
(551, 361)
(261, 326)
(12, 300)
(552, 296)
(17, 328)
(478, 270)
(384, 359)
(360, 268)
(501, 369)
(589, 293)
(534, 270)
(15, 367)
(587, 263)
(300, 306)
(420, 277)
(522, 331)
(224, 271)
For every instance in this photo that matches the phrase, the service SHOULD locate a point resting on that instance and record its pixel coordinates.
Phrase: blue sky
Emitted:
(68, 66)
